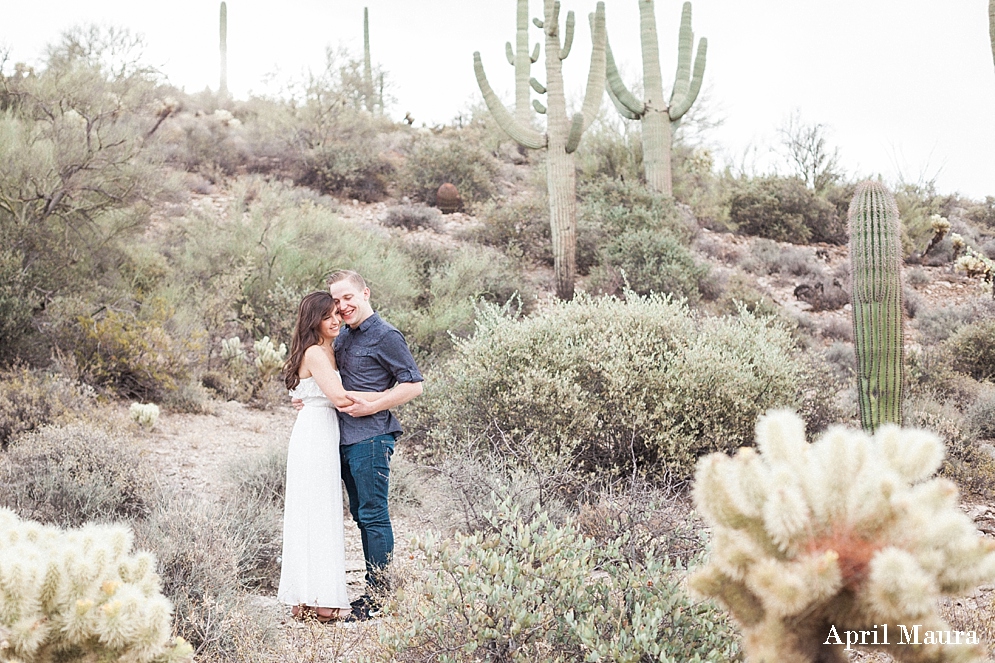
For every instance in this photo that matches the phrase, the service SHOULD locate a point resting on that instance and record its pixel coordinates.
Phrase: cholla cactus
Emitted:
(957, 243)
(145, 414)
(812, 541)
(231, 349)
(80, 595)
(269, 360)
(941, 227)
(976, 265)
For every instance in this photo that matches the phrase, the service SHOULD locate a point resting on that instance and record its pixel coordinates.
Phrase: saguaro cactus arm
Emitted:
(686, 87)
(628, 105)
(595, 80)
(520, 133)
(568, 37)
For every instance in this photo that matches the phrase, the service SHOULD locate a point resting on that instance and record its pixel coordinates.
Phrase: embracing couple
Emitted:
(346, 369)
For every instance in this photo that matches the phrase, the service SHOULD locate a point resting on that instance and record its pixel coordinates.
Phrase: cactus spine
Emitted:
(223, 86)
(876, 260)
(845, 534)
(562, 134)
(659, 118)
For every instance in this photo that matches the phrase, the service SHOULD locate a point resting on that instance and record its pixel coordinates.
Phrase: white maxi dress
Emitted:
(313, 570)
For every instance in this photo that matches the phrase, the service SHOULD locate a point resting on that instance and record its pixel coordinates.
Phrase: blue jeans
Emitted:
(366, 472)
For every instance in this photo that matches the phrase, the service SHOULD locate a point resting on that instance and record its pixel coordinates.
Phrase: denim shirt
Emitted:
(372, 357)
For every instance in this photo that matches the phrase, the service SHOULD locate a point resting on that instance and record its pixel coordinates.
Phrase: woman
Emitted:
(312, 578)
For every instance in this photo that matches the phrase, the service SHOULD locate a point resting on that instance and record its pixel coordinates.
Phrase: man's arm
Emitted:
(400, 394)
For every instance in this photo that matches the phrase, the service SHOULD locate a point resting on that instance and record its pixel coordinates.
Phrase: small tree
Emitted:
(806, 149)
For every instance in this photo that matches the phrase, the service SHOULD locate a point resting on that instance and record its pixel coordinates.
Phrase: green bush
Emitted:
(134, 356)
(646, 261)
(74, 474)
(31, 399)
(973, 349)
(606, 383)
(980, 415)
(455, 284)
(17, 305)
(433, 162)
(527, 589)
(519, 227)
(780, 208)
(618, 207)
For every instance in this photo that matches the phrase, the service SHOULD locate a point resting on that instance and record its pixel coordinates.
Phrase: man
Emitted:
(372, 355)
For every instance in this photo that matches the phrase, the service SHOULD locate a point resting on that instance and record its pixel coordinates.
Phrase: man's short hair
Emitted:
(347, 275)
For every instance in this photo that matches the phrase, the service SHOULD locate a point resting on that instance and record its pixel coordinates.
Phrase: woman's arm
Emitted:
(320, 366)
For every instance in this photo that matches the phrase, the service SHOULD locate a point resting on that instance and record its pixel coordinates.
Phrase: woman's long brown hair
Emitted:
(312, 310)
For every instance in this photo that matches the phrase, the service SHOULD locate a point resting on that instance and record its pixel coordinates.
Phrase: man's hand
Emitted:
(297, 403)
(360, 407)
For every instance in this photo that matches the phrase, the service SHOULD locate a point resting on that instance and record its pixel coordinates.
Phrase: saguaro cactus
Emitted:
(876, 263)
(846, 541)
(562, 135)
(991, 25)
(367, 66)
(520, 58)
(223, 87)
(659, 118)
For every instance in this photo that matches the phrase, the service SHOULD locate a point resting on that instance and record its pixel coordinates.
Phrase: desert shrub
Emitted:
(611, 149)
(618, 207)
(608, 383)
(351, 170)
(433, 162)
(455, 285)
(836, 328)
(966, 462)
(741, 292)
(252, 264)
(261, 477)
(917, 203)
(973, 349)
(527, 589)
(917, 277)
(822, 383)
(980, 415)
(911, 301)
(779, 208)
(982, 213)
(210, 143)
(133, 355)
(17, 305)
(79, 171)
(646, 261)
(208, 555)
(412, 217)
(843, 360)
(938, 324)
(30, 399)
(73, 474)
(520, 228)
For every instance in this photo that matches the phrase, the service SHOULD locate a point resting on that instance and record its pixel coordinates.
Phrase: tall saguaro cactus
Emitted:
(659, 118)
(875, 262)
(223, 87)
(991, 25)
(562, 134)
(520, 58)
(367, 66)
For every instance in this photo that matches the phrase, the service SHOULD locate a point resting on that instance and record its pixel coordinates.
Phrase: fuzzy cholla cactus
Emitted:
(847, 534)
(231, 349)
(80, 595)
(144, 414)
(269, 359)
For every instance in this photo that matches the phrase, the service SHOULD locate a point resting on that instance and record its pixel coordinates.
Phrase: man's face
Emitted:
(353, 304)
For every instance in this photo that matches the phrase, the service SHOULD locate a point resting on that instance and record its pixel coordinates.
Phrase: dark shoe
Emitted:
(367, 604)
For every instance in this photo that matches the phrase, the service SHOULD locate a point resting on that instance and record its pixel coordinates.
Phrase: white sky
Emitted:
(907, 87)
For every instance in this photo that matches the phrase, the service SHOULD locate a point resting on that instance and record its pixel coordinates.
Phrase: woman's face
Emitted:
(330, 324)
